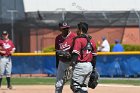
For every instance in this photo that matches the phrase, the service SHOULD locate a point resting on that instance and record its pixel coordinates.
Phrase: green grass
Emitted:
(120, 81)
(51, 81)
(31, 81)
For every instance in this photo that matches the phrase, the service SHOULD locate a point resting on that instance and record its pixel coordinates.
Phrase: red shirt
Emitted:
(80, 43)
(64, 44)
(1, 42)
(7, 46)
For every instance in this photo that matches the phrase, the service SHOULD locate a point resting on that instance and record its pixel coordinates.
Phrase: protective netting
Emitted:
(99, 21)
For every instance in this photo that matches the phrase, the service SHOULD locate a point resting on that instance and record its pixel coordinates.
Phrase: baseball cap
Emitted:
(4, 33)
(63, 25)
(117, 41)
(103, 38)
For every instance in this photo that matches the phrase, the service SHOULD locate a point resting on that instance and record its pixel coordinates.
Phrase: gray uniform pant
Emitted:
(5, 65)
(60, 74)
(81, 75)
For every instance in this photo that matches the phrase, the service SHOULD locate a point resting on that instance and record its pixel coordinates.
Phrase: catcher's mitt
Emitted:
(68, 74)
(93, 81)
(63, 55)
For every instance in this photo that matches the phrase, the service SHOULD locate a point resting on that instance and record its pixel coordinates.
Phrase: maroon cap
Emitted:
(63, 25)
(4, 33)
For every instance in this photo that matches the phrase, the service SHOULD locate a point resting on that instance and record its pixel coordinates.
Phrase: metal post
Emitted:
(63, 12)
(12, 22)
(37, 41)
(137, 14)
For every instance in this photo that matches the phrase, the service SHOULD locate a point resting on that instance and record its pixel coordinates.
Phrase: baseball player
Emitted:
(7, 48)
(63, 43)
(82, 59)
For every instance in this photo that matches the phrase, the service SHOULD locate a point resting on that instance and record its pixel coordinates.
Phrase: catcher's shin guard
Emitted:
(80, 91)
(78, 88)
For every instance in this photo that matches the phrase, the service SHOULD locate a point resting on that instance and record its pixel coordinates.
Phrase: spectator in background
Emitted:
(104, 47)
(117, 47)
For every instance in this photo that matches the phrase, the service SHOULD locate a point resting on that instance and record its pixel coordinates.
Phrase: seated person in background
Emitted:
(105, 46)
(117, 47)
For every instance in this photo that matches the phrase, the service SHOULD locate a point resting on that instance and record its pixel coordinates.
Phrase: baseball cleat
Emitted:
(10, 87)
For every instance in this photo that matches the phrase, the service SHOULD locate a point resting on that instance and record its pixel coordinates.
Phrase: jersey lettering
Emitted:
(6, 45)
(64, 46)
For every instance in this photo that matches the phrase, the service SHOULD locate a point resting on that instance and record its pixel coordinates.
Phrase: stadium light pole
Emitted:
(63, 12)
(12, 22)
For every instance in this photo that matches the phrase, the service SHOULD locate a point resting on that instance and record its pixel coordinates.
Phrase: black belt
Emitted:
(5, 56)
(82, 61)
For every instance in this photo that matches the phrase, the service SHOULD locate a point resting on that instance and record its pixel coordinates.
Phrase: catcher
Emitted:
(83, 60)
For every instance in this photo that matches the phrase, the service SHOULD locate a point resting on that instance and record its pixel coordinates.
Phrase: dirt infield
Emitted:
(50, 89)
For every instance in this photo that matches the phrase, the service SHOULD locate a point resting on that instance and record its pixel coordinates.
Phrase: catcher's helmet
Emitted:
(83, 26)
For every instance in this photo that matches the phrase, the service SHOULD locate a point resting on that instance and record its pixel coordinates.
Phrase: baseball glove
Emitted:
(93, 81)
(68, 74)
(63, 55)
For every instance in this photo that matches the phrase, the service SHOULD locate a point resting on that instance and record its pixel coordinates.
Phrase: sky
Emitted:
(81, 5)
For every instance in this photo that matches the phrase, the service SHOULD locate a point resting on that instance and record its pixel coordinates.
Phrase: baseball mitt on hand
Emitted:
(64, 55)
(93, 81)
(68, 74)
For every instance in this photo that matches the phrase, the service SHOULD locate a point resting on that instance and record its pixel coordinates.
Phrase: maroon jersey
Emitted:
(1, 42)
(7, 46)
(85, 56)
(64, 43)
